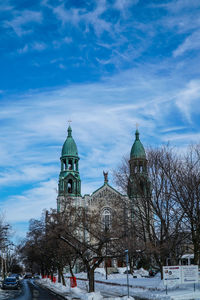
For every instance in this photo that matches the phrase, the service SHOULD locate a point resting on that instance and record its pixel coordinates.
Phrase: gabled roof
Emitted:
(110, 187)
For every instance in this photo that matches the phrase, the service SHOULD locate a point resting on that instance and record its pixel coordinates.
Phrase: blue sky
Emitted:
(104, 64)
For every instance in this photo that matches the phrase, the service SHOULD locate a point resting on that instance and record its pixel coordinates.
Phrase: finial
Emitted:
(105, 174)
(137, 132)
(69, 129)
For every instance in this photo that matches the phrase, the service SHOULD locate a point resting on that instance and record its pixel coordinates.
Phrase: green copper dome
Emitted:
(69, 147)
(137, 150)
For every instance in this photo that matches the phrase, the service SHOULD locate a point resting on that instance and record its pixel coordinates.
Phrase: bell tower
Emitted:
(138, 184)
(69, 180)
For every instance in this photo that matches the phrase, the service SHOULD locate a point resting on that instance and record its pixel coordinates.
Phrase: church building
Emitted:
(69, 185)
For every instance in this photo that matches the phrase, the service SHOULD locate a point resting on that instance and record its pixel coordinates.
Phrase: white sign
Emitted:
(190, 274)
(172, 275)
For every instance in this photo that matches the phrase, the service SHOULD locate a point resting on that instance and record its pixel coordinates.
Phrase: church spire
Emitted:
(137, 150)
(69, 179)
(138, 184)
(69, 130)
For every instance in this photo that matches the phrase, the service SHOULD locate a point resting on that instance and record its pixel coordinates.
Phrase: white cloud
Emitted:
(23, 18)
(182, 139)
(187, 99)
(192, 42)
(6, 6)
(61, 66)
(178, 5)
(23, 50)
(104, 115)
(39, 46)
(170, 129)
(67, 40)
(124, 5)
(26, 174)
(76, 16)
(31, 203)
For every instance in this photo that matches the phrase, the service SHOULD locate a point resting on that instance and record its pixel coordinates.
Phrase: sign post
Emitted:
(126, 252)
(173, 275)
(190, 274)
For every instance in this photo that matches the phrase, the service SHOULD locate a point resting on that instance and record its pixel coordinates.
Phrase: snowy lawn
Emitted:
(144, 288)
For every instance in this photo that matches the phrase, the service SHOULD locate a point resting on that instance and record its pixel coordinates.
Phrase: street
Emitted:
(29, 291)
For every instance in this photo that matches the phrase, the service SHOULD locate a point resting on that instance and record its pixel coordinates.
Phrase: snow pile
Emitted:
(98, 296)
(141, 273)
(191, 296)
(56, 287)
(115, 288)
(122, 270)
(92, 296)
(100, 271)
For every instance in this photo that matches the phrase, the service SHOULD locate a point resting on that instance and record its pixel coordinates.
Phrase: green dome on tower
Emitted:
(69, 147)
(137, 150)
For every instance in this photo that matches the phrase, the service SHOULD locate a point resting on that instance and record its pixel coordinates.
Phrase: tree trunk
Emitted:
(59, 276)
(63, 279)
(52, 276)
(91, 280)
(196, 252)
(131, 264)
(71, 270)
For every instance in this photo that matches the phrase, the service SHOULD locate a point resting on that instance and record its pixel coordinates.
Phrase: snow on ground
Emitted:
(77, 292)
(140, 288)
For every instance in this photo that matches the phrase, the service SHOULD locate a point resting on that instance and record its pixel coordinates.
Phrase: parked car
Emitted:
(129, 272)
(17, 276)
(152, 272)
(28, 276)
(10, 283)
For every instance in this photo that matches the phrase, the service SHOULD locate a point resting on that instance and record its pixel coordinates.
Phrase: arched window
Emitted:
(65, 164)
(70, 166)
(106, 218)
(69, 186)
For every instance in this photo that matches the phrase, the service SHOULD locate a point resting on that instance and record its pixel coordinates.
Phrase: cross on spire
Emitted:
(137, 125)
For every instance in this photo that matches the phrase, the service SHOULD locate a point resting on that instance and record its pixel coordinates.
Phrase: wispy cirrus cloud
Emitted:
(179, 5)
(76, 16)
(188, 98)
(22, 20)
(109, 65)
(35, 46)
(192, 42)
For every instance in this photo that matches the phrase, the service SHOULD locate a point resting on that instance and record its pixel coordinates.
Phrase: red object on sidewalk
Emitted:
(73, 281)
(54, 279)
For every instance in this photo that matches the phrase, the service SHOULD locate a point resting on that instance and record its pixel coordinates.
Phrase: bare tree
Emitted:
(93, 241)
(187, 191)
(5, 231)
(42, 251)
(157, 219)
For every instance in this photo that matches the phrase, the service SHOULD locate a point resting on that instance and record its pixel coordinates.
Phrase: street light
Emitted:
(126, 253)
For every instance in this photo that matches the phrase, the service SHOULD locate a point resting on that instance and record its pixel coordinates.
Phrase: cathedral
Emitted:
(69, 185)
